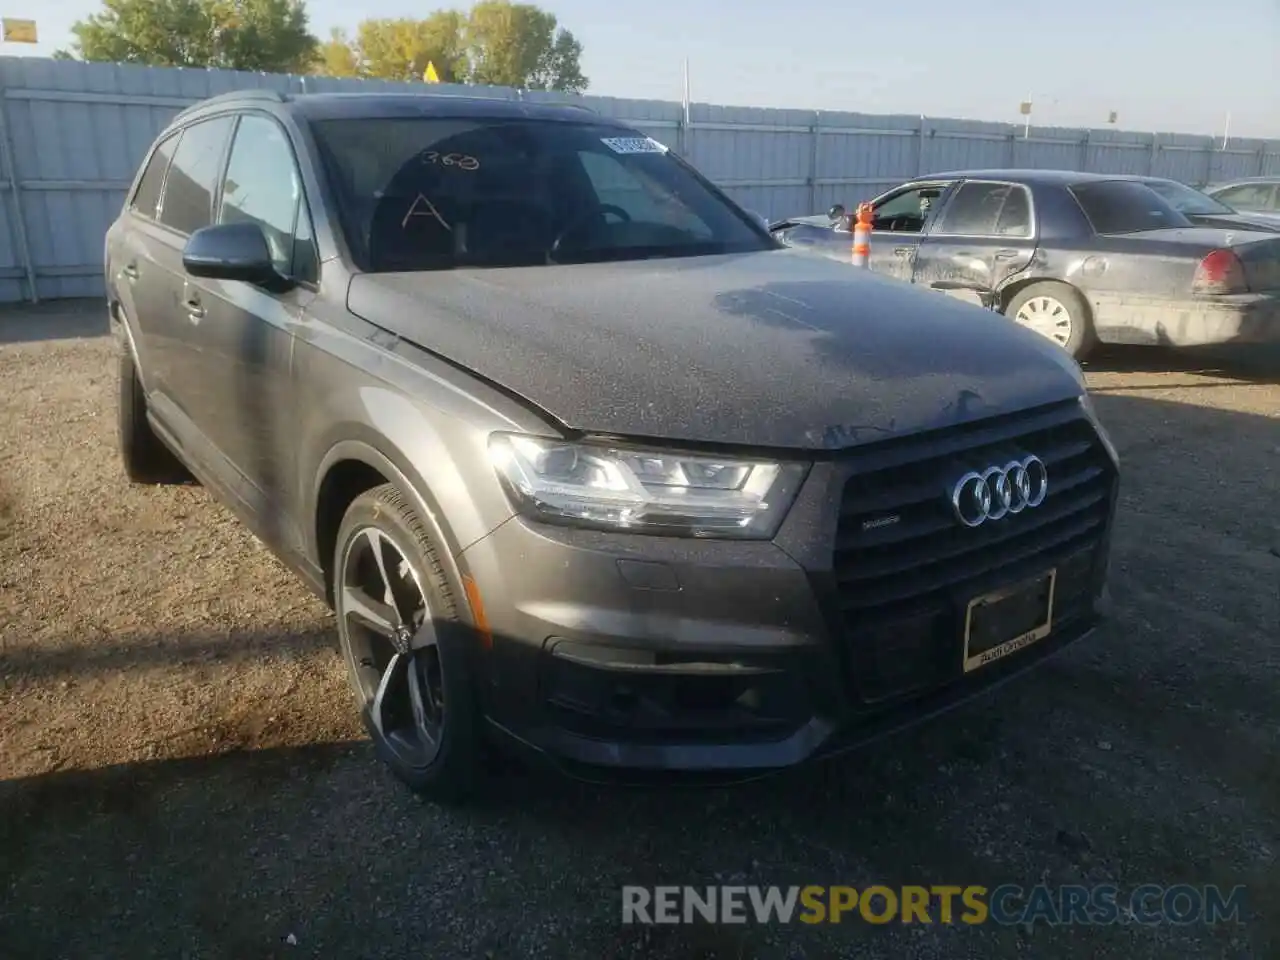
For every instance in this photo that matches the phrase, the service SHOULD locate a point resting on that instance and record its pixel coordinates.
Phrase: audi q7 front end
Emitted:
(586, 462)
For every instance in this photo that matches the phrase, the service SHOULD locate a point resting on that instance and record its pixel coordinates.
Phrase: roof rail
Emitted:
(250, 93)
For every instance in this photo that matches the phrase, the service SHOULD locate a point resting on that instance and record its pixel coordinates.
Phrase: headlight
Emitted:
(645, 491)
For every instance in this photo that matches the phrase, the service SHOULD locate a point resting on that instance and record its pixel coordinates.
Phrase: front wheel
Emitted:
(406, 650)
(1057, 312)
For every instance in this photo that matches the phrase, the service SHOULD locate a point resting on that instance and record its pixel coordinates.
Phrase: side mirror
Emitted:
(231, 251)
(836, 212)
(760, 218)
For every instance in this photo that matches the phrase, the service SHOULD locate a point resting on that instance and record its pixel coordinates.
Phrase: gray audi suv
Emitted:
(584, 461)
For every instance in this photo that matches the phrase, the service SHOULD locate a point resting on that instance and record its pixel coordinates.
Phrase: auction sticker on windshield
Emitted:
(633, 145)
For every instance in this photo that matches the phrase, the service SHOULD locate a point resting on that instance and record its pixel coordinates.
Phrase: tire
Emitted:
(1049, 300)
(144, 455)
(386, 666)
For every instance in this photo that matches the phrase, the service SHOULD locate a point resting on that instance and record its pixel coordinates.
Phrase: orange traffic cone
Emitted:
(862, 236)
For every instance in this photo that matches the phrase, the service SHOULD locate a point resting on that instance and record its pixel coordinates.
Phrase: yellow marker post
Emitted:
(18, 31)
(430, 75)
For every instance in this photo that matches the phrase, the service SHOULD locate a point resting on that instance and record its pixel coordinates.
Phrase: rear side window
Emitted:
(988, 210)
(1015, 215)
(1125, 206)
(193, 175)
(147, 197)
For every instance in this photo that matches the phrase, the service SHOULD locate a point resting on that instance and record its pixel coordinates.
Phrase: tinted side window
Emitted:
(978, 209)
(147, 197)
(188, 195)
(1125, 206)
(262, 186)
(906, 212)
(1015, 215)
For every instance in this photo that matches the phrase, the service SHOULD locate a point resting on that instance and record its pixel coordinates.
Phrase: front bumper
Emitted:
(622, 656)
(1252, 318)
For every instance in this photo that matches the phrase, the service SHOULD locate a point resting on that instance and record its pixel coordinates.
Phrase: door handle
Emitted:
(1006, 254)
(130, 271)
(193, 307)
(902, 251)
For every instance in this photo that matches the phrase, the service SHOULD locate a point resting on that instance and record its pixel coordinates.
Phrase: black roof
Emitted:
(1060, 178)
(334, 106)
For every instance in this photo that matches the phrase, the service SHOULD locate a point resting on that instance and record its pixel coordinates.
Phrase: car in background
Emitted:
(1259, 195)
(585, 461)
(1080, 258)
(1204, 211)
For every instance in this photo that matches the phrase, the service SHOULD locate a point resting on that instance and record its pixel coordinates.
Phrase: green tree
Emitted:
(265, 35)
(336, 57)
(401, 49)
(500, 43)
(521, 45)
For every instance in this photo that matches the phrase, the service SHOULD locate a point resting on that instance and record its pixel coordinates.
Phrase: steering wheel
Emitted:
(578, 222)
(902, 222)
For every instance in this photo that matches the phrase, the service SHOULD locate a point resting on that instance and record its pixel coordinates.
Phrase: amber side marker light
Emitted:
(477, 612)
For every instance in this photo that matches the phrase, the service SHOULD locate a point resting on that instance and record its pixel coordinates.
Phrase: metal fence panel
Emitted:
(11, 265)
(72, 134)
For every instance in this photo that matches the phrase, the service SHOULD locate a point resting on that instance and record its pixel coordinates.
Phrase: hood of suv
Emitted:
(773, 349)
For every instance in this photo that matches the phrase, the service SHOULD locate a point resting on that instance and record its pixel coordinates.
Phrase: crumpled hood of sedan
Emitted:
(774, 349)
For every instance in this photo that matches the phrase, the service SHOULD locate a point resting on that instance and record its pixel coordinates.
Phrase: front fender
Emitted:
(364, 447)
(442, 495)
(423, 425)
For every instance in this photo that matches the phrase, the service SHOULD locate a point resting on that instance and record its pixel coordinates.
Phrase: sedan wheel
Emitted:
(1048, 317)
(1056, 311)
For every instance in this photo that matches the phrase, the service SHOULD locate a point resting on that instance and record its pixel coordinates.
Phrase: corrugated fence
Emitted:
(72, 134)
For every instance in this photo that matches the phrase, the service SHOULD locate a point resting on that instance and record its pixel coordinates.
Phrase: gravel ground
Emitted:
(183, 776)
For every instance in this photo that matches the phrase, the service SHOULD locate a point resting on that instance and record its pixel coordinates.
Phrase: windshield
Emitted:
(436, 193)
(1125, 206)
(1186, 200)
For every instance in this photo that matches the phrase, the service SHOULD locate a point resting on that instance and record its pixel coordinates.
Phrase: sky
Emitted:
(1180, 66)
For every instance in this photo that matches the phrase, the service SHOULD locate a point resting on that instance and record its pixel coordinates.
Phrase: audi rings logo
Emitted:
(999, 491)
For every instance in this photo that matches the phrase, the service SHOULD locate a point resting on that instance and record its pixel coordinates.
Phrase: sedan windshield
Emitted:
(1185, 200)
(436, 193)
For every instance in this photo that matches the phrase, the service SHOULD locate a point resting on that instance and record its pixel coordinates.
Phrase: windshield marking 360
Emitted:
(435, 193)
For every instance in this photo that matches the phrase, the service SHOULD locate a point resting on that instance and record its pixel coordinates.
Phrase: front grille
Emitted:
(905, 567)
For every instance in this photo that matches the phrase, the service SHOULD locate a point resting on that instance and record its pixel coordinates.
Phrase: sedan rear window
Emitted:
(1126, 206)
(1191, 202)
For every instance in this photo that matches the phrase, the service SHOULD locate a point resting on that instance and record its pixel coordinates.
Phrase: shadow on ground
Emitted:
(84, 661)
(1255, 363)
(53, 320)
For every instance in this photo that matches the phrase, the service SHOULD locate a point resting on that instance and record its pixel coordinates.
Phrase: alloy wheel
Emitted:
(391, 647)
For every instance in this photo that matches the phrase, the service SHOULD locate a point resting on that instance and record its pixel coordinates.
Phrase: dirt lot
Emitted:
(182, 775)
